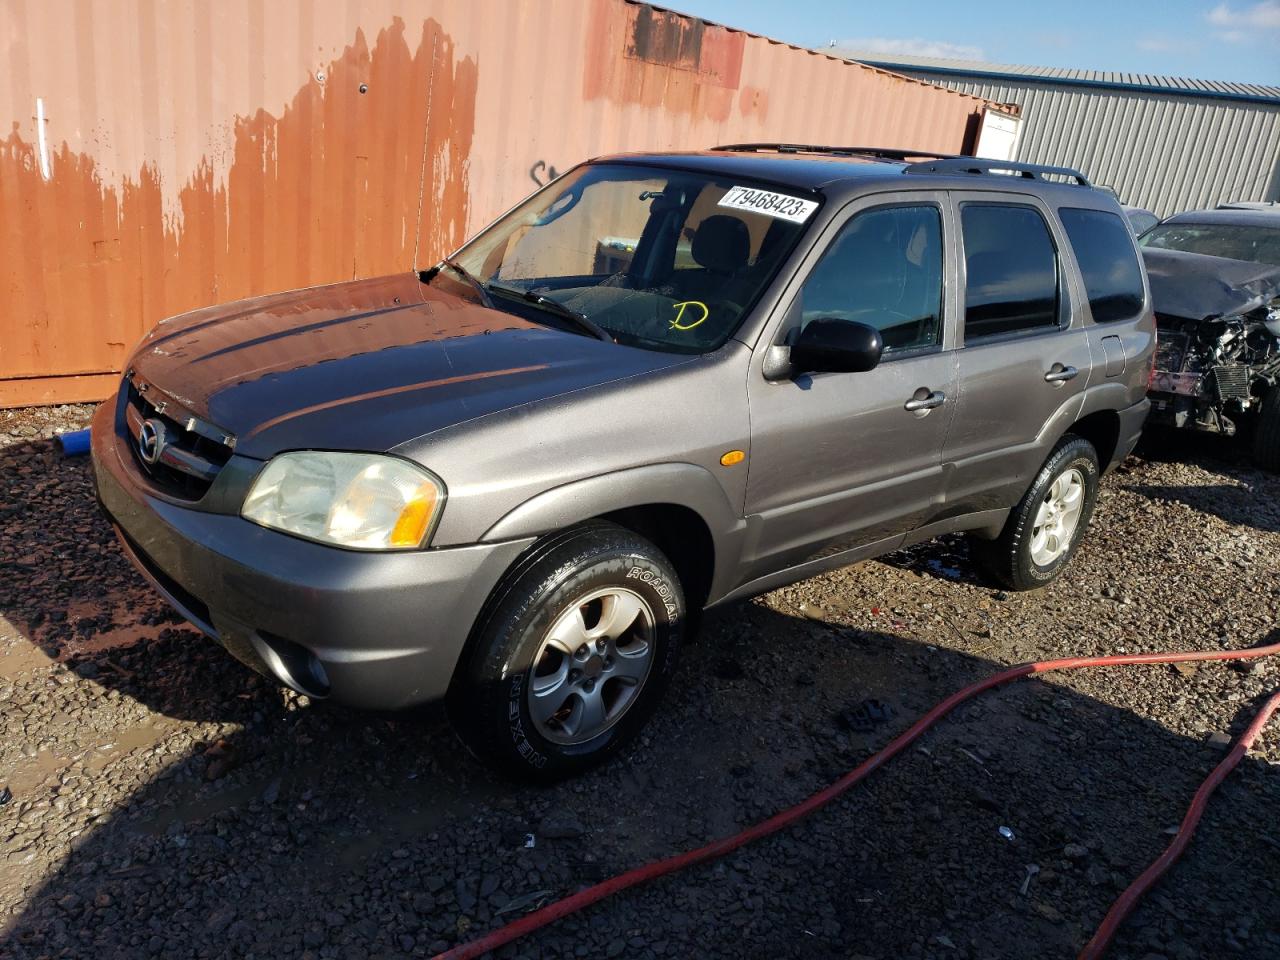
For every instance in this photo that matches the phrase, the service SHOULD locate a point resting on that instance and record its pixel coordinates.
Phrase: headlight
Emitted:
(361, 500)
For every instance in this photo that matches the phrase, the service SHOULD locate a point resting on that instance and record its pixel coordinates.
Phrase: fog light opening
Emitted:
(293, 664)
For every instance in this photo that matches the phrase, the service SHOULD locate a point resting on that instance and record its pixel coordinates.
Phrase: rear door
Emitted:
(839, 460)
(1025, 358)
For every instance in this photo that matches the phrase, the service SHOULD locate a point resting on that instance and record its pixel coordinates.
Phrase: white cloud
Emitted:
(912, 47)
(1235, 24)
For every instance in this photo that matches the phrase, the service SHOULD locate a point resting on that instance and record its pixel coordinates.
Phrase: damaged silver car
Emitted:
(1215, 283)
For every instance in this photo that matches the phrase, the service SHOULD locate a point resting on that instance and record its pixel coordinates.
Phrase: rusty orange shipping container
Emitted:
(160, 157)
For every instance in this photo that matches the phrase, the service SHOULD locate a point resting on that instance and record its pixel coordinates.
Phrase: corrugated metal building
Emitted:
(160, 157)
(1164, 143)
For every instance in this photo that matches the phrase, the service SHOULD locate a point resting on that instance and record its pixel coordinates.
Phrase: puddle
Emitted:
(27, 775)
(115, 639)
(20, 656)
(195, 809)
(126, 742)
(943, 569)
(79, 609)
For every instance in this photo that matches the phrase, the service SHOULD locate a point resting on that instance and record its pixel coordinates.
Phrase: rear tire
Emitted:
(1266, 438)
(1044, 530)
(571, 655)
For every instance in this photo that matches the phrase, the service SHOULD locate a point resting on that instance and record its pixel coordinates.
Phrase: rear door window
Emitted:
(1011, 270)
(1108, 262)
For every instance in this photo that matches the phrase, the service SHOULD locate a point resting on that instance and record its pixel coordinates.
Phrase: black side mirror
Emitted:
(832, 345)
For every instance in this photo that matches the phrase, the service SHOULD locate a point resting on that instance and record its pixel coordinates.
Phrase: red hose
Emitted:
(718, 848)
(1125, 903)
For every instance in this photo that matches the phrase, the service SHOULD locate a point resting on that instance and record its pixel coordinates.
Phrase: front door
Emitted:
(842, 460)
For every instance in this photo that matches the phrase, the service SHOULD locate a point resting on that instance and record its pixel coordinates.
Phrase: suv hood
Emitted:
(366, 365)
(1194, 286)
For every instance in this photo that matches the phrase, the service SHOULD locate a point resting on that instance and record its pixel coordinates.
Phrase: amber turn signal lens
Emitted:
(732, 457)
(415, 518)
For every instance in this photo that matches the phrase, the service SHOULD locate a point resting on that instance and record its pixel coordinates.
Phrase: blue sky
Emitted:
(1207, 39)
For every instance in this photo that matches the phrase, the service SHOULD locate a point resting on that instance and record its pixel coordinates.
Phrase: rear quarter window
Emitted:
(1108, 263)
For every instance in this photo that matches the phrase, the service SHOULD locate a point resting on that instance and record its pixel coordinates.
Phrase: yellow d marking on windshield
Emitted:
(679, 324)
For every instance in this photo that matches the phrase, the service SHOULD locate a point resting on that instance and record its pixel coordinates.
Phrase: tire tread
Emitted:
(1266, 439)
(1002, 557)
(477, 704)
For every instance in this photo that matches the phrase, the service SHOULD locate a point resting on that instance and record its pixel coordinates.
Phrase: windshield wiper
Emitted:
(559, 309)
(467, 275)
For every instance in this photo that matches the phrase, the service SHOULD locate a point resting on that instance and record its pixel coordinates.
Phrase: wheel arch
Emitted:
(1102, 429)
(681, 507)
(683, 536)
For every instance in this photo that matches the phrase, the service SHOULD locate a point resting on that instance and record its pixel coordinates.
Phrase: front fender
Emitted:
(682, 484)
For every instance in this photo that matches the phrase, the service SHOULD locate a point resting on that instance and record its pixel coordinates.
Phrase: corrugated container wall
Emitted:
(160, 157)
(1164, 152)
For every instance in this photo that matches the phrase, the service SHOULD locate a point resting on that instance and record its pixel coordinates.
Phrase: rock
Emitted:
(1075, 851)
(220, 919)
(272, 792)
(217, 768)
(1048, 911)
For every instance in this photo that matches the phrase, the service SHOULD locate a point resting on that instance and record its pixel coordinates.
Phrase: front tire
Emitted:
(1044, 530)
(1266, 438)
(572, 654)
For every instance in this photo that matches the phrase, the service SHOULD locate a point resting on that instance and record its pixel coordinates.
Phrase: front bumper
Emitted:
(387, 629)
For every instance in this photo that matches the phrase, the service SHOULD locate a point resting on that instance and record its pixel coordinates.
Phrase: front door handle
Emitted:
(1060, 374)
(924, 400)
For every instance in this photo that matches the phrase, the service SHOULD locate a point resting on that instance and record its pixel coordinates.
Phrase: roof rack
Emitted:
(1029, 171)
(880, 153)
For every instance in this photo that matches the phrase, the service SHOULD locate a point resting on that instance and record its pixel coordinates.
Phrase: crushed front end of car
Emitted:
(1219, 339)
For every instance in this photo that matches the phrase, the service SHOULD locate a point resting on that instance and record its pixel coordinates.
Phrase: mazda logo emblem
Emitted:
(151, 441)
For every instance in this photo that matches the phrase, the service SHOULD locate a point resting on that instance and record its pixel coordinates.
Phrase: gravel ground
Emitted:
(167, 802)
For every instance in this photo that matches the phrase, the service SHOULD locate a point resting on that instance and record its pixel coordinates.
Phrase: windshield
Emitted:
(657, 258)
(1231, 240)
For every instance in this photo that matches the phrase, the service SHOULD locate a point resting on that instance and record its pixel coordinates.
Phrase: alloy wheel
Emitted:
(591, 665)
(1057, 518)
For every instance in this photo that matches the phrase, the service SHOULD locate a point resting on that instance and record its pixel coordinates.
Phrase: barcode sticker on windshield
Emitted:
(795, 209)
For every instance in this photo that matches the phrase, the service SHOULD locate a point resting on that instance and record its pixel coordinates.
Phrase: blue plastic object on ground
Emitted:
(74, 443)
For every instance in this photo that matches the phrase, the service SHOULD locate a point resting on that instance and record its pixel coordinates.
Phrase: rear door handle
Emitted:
(1060, 374)
(924, 400)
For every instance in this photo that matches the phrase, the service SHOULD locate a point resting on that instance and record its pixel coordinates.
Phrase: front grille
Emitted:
(189, 605)
(188, 453)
